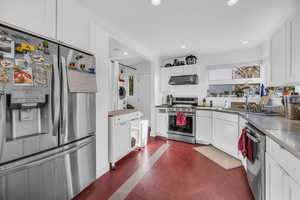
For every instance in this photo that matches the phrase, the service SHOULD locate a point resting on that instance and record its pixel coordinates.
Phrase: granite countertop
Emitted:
(283, 131)
(121, 112)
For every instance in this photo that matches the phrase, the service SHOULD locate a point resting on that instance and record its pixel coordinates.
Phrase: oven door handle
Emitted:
(188, 115)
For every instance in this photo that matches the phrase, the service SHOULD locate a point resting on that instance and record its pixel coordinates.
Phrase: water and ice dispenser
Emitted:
(27, 114)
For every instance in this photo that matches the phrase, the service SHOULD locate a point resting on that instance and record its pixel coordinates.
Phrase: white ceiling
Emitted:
(116, 52)
(204, 26)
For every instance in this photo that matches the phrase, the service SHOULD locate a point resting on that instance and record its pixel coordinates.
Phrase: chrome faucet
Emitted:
(247, 106)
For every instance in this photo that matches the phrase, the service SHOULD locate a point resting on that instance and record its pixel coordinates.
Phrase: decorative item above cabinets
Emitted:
(180, 61)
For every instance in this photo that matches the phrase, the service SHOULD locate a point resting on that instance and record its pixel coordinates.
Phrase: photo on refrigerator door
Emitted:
(22, 73)
(40, 77)
(5, 75)
(7, 46)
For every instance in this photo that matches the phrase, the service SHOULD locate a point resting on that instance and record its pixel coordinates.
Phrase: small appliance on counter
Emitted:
(169, 100)
(291, 106)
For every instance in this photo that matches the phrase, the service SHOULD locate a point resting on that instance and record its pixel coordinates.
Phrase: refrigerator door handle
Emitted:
(2, 122)
(64, 129)
(56, 95)
(40, 161)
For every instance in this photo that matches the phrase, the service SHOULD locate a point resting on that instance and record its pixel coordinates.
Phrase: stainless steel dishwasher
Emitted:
(256, 170)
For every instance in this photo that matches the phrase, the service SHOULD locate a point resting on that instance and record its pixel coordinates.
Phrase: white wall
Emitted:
(236, 56)
(155, 92)
(220, 59)
(100, 45)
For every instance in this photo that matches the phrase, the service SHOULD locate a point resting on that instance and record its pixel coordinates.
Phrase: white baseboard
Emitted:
(102, 171)
(202, 142)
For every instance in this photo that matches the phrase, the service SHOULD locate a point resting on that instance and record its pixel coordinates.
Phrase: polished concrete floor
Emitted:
(173, 171)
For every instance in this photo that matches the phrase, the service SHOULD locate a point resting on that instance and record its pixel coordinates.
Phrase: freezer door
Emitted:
(59, 176)
(30, 102)
(78, 117)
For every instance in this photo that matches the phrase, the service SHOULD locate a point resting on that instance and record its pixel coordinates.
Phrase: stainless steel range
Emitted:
(186, 132)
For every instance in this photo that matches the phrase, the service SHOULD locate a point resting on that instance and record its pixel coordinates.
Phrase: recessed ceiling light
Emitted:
(232, 2)
(245, 42)
(125, 53)
(183, 46)
(156, 2)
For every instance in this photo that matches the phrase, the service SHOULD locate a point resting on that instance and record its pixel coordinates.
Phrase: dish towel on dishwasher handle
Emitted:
(245, 145)
(242, 142)
(180, 119)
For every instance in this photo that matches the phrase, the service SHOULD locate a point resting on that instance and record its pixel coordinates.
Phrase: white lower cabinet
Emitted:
(123, 148)
(225, 133)
(279, 184)
(203, 127)
(120, 129)
(274, 180)
(292, 189)
(162, 121)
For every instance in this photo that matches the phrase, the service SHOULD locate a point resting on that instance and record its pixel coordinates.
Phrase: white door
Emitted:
(144, 95)
(203, 130)
(279, 57)
(38, 16)
(274, 180)
(295, 49)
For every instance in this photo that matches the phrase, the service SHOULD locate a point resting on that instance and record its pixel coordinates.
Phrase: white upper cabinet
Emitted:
(285, 54)
(220, 74)
(73, 24)
(279, 57)
(295, 49)
(38, 16)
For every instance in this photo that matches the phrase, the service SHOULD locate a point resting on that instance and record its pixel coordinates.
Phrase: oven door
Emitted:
(256, 170)
(188, 129)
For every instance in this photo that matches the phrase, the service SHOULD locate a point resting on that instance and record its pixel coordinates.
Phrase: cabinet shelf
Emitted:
(163, 67)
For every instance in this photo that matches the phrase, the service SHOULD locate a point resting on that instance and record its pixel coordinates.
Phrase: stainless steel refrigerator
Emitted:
(47, 117)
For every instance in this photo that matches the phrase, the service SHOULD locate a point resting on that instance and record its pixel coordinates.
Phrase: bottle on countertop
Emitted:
(226, 105)
(262, 90)
(204, 102)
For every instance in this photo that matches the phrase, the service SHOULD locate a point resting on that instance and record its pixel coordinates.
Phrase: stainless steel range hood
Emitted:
(184, 80)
